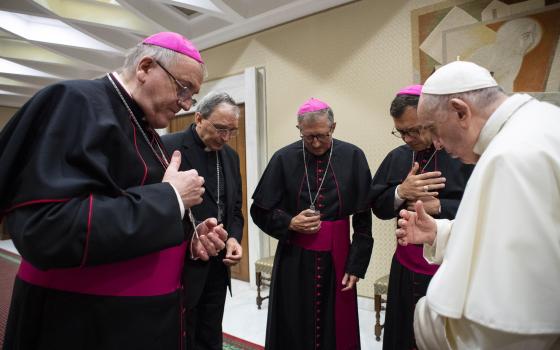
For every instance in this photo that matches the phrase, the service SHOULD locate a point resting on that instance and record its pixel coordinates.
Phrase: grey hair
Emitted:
(209, 103)
(480, 98)
(315, 114)
(168, 58)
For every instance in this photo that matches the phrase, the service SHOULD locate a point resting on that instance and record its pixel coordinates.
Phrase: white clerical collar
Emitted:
(498, 119)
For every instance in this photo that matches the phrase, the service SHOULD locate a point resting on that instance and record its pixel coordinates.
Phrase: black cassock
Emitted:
(410, 273)
(206, 281)
(303, 298)
(100, 236)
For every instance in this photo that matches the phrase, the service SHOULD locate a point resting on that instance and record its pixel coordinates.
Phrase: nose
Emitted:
(437, 143)
(185, 104)
(225, 137)
(407, 138)
(315, 143)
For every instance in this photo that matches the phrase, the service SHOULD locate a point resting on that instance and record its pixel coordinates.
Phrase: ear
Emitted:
(198, 118)
(462, 109)
(333, 126)
(143, 68)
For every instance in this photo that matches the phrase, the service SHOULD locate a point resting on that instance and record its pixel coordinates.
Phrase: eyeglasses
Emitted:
(412, 132)
(184, 93)
(223, 131)
(319, 137)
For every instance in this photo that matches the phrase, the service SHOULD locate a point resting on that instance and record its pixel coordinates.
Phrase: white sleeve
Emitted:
(429, 327)
(181, 205)
(398, 200)
(466, 334)
(434, 331)
(434, 253)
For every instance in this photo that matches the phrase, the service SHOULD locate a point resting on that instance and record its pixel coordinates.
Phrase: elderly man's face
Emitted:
(216, 130)
(449, 132)
(317, 134)
(411, 131)
(159, 99)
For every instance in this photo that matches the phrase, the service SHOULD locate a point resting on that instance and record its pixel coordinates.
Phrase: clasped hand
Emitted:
(210, 241)
(306, 222)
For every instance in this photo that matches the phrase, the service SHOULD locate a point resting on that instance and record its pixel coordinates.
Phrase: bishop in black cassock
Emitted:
(204, 147)
(435, 173)
(307, 309)
(100, 235)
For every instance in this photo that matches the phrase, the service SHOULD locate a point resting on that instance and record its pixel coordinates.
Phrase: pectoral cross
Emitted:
(220, 214)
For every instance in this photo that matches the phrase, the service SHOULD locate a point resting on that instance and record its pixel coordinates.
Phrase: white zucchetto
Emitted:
(456, 77)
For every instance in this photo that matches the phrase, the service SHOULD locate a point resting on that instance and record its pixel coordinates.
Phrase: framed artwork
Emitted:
(518, 41)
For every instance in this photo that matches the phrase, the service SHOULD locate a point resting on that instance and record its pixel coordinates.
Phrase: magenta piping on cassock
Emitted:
(337, 191)
(145, 176)
(153, 274)
(86, 245)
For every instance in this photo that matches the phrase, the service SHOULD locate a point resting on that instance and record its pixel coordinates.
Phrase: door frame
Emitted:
(248, 88)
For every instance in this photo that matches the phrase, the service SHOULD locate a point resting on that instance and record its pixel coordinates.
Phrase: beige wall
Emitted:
(5, 114)
(355, 57)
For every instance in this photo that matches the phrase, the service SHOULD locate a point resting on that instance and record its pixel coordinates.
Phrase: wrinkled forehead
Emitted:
(314, 119)
(190, 72)
(426, 116)
(225, 113)
(431, 125)
(314, 128)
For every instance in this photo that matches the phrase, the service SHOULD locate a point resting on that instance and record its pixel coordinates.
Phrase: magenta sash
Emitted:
(412, 257)
(153, 274)
(334, 236)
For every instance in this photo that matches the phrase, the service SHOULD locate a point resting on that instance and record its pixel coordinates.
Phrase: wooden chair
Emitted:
(380, 287)
(263, 271)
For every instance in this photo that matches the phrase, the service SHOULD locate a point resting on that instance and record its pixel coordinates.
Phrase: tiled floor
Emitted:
(243, 320)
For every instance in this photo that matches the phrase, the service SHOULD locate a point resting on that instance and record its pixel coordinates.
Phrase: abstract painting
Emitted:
(518, 41)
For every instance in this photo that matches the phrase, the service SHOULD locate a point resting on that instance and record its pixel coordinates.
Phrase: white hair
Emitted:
(315, 114)
(437, 104)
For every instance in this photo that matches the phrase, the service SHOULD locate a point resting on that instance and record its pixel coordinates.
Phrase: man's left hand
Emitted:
(211, 238)
(349, 281)
(234, 252)
(432, 205)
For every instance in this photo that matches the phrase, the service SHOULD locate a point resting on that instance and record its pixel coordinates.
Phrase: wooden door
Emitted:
(241, 270)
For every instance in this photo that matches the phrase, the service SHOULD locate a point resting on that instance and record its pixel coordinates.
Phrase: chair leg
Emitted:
(377, 306)
(259, 283)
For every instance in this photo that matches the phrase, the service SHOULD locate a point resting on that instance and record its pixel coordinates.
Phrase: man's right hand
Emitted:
(416, 227)
(416, 186)
(307, 222)
(187, 183)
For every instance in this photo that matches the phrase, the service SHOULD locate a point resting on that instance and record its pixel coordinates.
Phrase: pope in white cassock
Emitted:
(498, 286)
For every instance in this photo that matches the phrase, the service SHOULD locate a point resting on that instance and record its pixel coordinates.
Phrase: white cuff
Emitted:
(398, 200)
(181, 205)
(433, 253)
